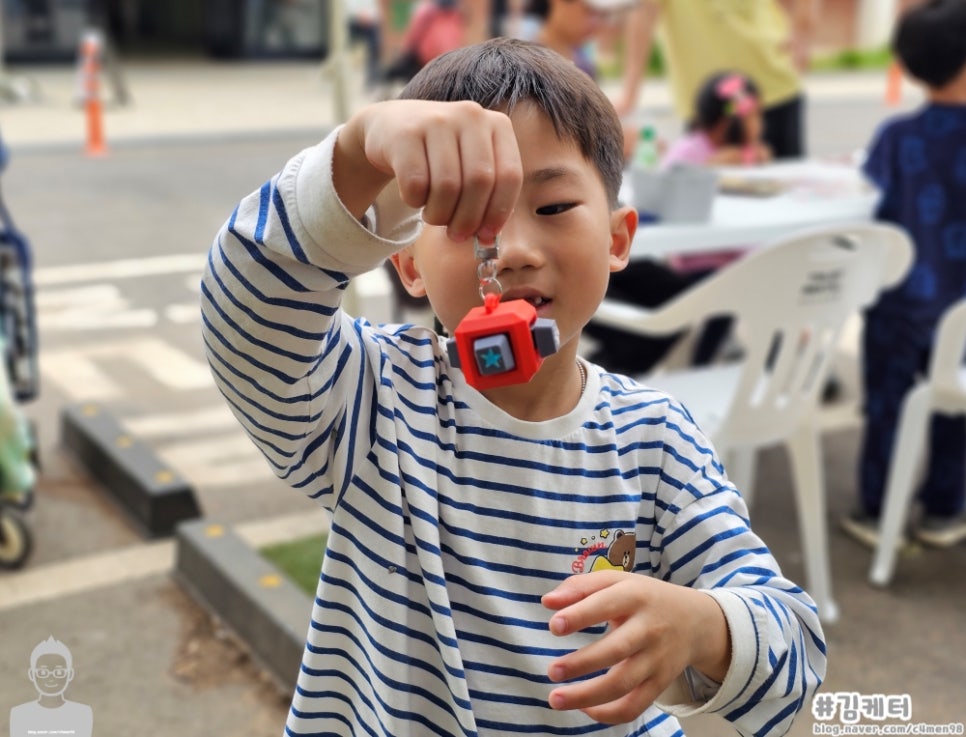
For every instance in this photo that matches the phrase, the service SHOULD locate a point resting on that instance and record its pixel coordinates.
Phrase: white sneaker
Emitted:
(941, 532)
(861, 527)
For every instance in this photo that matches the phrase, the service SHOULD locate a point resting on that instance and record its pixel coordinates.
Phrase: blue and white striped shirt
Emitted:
(450, 518)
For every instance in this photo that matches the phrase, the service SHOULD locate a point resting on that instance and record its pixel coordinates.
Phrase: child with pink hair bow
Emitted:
(726, 127)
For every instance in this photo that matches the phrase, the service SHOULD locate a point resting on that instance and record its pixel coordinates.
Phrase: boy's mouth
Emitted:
(537, 300)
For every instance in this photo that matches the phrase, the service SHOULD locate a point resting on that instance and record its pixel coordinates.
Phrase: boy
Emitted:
(447, 602)
(918, 161)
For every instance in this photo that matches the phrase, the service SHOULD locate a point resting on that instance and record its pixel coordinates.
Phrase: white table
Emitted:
(816, 193)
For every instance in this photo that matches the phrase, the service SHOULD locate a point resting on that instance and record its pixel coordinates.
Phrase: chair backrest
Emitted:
(791, 299)
(946, 371)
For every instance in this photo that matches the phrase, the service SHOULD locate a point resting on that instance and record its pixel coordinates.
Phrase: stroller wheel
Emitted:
(16, 541)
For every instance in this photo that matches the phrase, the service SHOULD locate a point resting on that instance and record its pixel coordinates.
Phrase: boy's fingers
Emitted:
(445, 177)
(625, 643)
(607, 706)
(491, 177)
(478, 179)
(460, 164)
(412, 172)
(579, 587)
(620, 680)
(508, 174)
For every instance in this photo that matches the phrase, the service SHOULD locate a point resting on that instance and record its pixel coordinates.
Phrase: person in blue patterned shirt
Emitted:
(918, 161)
(559, 557)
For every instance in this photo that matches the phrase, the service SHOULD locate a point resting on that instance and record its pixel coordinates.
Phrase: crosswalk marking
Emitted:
(77, 376)
(206, 446)
(205, 420)
(93, 307)
(77, 373)
(121, 269)
(225, 460)
(183, 314)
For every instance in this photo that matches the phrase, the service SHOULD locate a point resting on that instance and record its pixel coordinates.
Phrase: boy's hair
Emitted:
(720, 98)
(502, 73)
(930, 40)
(50, 646)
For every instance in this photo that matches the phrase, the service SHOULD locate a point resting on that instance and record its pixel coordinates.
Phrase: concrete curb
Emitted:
(268, 612)
(155, 497)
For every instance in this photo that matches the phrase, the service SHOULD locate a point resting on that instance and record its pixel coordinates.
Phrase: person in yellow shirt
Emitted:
(755, 37)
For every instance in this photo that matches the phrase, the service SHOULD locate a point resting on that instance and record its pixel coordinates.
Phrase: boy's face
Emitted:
(557, 249)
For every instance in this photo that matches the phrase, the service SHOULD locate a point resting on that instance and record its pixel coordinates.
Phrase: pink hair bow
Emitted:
(732, 88)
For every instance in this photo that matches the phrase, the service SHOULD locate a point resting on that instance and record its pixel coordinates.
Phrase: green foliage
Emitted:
(853, 59)
(611, 67)
(300, 560)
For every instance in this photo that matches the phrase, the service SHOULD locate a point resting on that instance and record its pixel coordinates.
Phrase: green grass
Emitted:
(844, 60)
(854, 59)
(299, 560)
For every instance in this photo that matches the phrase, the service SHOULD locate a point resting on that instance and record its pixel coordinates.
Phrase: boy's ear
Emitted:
(623, 226)
(408, 272)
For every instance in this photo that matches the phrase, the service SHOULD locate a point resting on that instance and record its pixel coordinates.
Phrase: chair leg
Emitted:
(907, 451)
(806, 463)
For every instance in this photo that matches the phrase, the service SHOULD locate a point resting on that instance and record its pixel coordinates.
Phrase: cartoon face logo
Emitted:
(620, 554)
(51, 674)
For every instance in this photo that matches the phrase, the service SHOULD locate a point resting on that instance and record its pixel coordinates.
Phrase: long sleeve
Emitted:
(278, 344)
(778, 647)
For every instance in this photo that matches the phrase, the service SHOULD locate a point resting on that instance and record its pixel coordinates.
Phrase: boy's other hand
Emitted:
(456, 160)
(656, 629)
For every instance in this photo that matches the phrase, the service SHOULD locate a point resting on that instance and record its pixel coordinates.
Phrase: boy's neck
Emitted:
(953, 93)
(947, 96)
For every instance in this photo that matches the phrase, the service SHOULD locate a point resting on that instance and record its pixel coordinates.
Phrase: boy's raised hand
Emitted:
(656, 629)
(456, 160)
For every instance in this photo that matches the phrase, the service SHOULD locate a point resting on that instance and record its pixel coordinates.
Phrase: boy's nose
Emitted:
(517, 250)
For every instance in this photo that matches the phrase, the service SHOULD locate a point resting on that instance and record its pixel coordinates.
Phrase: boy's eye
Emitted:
(556, 208)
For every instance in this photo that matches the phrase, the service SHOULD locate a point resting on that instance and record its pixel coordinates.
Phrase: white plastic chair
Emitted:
(790, 300)
(943, 390)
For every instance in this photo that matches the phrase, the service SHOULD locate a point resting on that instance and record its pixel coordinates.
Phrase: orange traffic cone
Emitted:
(90, 81)
(893, 95)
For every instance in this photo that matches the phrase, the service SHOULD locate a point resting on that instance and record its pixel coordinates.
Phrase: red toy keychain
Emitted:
(500, 343)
